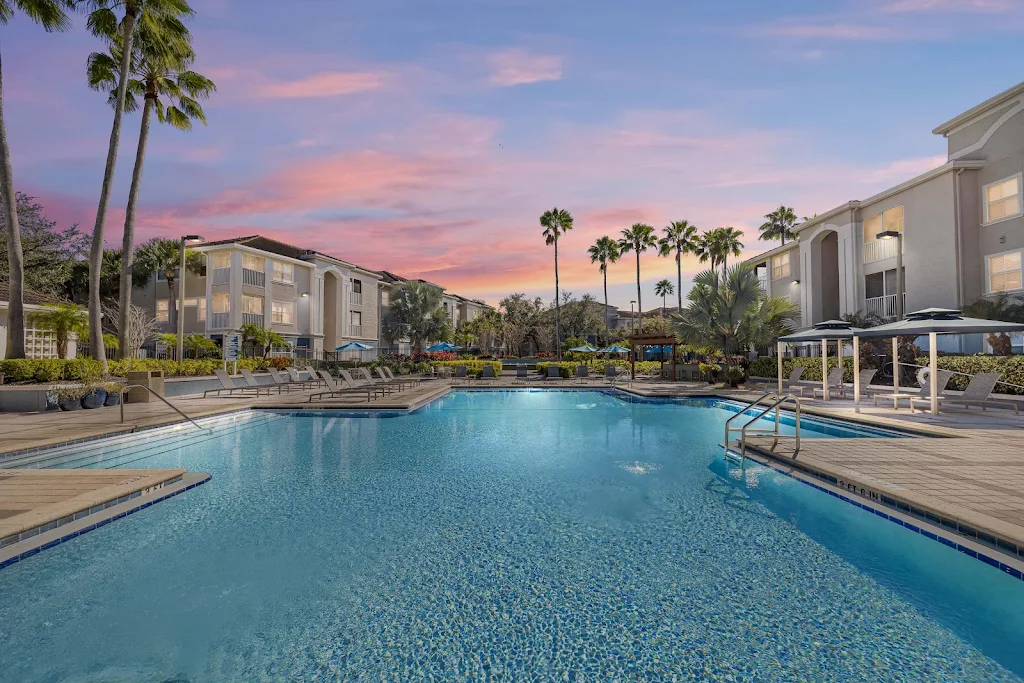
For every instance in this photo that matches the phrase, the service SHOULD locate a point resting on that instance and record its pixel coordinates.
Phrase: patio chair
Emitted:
(977, 393)
(401, 383)
(612, 374)
(312, 383)
(371, 380)
(345, 388)
(794, 377)
(283, 382)
(314, 375)
(251, 382)
(358, 384)
(925, 393)
(460, 374)
(554, 372)
(522, 374)
(488, 373)
(834, 383)
(228, 385)
(414, 381)
(583, 374)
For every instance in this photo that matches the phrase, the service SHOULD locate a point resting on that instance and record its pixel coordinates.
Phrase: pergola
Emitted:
(642, 341)
(838, 330)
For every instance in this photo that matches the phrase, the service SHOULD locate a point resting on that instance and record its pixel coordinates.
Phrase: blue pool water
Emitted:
(501, 535)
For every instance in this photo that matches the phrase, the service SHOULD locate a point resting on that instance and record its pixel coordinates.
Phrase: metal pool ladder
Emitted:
(774, 402)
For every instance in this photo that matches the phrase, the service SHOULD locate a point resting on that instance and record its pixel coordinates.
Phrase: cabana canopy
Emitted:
(830, 329)
(940, 321)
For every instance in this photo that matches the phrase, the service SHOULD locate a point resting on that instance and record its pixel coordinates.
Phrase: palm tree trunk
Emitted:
(96, 252)
(124, 295)
(15, 257)
(558, 320)
(607, 327)
(172, 305)
(639, 302)
(679, 277)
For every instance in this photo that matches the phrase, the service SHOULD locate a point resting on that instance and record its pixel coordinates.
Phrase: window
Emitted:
(384, 298)
(357, 286)
(222, 259)
(780, 266)
(252, 304)
(880, 222)
(160, 276)
(250, 262)
(1004, 272)
(163, 311)
(201, 311)
(282, 312)
(221, 302)
(355, 318)
(1002, 199)
(284, 272)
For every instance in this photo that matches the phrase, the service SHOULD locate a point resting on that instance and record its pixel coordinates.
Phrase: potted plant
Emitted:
(94, 396)
(734, 375)
(113, 390)
(69, 396)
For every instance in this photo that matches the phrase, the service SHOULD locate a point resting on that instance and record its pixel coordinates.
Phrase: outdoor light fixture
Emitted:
(888, 235)
(796, 282)
(305, 294)
(898, 236)
(181, 295)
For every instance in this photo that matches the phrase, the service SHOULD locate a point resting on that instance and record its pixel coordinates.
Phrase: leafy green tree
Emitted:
(198, 345)
(556, 223)
(163, 256)
(162, 79)
(604, 251)
(61, 319)
(779, 225)
(730, 311)
(48, 254)
(50, 15)
(639, 239)
(262, 337)
(680, 238)
(1001, 306)
(663, 289)
(76, 287)
(521, 317)
(151, 16)
(416, 312)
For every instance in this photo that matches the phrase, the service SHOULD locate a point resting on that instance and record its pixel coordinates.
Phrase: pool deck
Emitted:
(974, 475)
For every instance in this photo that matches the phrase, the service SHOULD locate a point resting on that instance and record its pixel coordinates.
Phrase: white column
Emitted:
(781, 345)
(856, 371)
(933, 365)
(824, 369)
(895, 367)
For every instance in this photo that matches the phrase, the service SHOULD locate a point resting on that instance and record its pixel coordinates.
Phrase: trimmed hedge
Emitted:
(767, 366)
(473, 367)
(1010, 369)
(87, 369)
(568, 368)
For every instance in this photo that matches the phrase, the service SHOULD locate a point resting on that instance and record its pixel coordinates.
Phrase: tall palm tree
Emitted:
(604, 251)
(664, 288)
(104, 24)
(730, 244)
(164, 256)
(50, 14)
(716, 245)
(680, 238)
(638, 239)
(159, 72)
(556, 223)
(779, 225)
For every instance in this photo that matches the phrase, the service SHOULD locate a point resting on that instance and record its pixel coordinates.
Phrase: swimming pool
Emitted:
(516, 535)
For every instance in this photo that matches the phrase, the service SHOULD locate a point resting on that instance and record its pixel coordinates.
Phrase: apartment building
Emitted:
(962, 227)
(317, 302)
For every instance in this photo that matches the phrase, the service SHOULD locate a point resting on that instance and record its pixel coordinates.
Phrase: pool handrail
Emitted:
(126, 387)
(777, 401)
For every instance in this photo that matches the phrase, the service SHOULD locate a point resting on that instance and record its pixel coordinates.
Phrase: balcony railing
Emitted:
(252, 319)
(255, 278)
(356, 298)
(764, 283)
(220, 321)
(884, 306)
(221, 276)
(355, 330)
(879, 250)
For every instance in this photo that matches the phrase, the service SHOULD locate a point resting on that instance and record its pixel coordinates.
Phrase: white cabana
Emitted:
(838, 330)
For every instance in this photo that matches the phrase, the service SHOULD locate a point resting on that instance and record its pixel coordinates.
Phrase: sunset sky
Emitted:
(426, 137)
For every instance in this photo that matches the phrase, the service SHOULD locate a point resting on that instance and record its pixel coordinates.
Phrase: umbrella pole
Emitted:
(856, 371)
(933, 365)
(895, 365)
(824, 369)
(781, 346)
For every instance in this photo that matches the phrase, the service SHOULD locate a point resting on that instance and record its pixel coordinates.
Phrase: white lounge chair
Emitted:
(400, 383)
(792, 383)
(252, 382)
(925, 391)
(369, 380)
(834, 383)
(977, 393)
(227, 385)
(334, 389)
(312, 383)
(414, 381)
(283, 382)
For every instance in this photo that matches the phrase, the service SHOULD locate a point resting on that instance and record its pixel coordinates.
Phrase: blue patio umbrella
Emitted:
(354, 346)
(586, 348)
(614, 349)
(443, 346)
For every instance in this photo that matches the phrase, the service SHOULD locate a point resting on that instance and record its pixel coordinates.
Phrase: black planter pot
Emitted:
(94, 399)
(113, 399)
(70, 403)
(52, 402)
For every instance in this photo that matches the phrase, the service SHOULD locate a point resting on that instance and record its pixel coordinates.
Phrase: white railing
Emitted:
(252, 319)
(884, 306)
(355, 330)
(355, 298)
(255, 278)
(764, 283)
(221, 276)
(879, 250)
(220, 321)
(281, 353)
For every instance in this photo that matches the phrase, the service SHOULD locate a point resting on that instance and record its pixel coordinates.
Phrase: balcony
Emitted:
(355, 298)
(252, 319)
(220, 321)
(879, 250)
(884, 306)
(221, 276)
(763, 281)
(254, 278)
(355, 330)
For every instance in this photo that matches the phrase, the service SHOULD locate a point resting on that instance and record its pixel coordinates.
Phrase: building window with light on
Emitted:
(1004, 272)
(251, 262)
(780, 266)
(1003, 199)
(163, 311)
(221, 302)
(282, 312)
(252, 304)
(222, 259)
(284, 272)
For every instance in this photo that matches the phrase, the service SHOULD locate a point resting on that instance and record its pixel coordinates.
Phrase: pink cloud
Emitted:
(325, 84)
(519, 67)
(845, 31)
(965, 6)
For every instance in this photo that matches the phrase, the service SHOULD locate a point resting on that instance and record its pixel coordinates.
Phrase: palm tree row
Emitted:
(148, 57)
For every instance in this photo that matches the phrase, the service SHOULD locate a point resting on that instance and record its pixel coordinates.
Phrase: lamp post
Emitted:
(632, 318)
(181, 296)
(898, 236)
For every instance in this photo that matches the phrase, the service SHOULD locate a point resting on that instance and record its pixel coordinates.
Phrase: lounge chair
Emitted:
(335, 389)
(977, 393)
(925, 392)
(400, 383)
(554, 372)
(834, 383)
(488, 373)
(792, 383)
(414, 381)
(611, 373)
(283, 382)
(583, 374)
(370, 380)
(353, 383)
(460, 374)
(312, 383)
(522, 374)
(251, 382)
(228, 385)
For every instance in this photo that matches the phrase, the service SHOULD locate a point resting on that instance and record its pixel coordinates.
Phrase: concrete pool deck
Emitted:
(975, 475)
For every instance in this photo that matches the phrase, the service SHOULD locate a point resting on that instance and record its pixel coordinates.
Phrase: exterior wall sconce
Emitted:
(305, 295)
(796, 282)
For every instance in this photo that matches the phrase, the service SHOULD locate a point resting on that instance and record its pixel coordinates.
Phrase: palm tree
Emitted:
(159, 70)
(61, 319)
(663, 289)
(164, 256)
(556, 223)
(104, 24)
(680, 238)
(639, 238)
(730, 243)
(604, 251)
(779, 225)
(716, 245)
(50, 14)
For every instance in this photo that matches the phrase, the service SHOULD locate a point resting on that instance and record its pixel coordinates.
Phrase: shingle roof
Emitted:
(28, 296)
(263, 244)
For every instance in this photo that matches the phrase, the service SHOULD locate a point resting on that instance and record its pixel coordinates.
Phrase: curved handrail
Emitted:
(781, 400)
(743, 410)
(126, 387)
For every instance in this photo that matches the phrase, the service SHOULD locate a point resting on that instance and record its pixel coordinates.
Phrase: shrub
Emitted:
(767, 366)
(568, 368)
(473, 367)
(1010, 369)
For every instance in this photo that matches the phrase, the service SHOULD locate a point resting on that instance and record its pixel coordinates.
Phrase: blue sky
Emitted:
(427, 137)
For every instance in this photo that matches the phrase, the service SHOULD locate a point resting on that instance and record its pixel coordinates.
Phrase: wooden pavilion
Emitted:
(641, 341)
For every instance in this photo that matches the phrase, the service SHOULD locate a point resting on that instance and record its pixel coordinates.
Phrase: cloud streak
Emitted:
(324, 84)
(521, 67)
